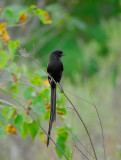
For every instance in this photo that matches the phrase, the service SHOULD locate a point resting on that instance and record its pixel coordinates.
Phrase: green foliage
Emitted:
(8, 112)
(42, 14)
(37, 92)
(3, 59)
(9, 16)
(12, 45)
(61, 141)
(34, 128)
(38, 105)
(19, 122)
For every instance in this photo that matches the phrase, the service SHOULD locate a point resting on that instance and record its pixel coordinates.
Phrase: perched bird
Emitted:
(55, 69)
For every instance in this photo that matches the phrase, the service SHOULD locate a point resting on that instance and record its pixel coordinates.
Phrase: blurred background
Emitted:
(89, 33)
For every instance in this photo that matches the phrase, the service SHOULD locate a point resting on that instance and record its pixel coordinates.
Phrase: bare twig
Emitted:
(80, 150)
(73, 137)
(25, 54)
(101, 128)
(98, 119)
(11, 97)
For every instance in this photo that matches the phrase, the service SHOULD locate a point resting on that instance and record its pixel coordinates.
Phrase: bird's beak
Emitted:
(63, 54)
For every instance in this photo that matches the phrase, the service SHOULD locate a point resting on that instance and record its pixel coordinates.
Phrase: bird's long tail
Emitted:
(53, 110)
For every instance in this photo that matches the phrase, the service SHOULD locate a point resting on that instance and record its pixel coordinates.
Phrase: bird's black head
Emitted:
(57, 53)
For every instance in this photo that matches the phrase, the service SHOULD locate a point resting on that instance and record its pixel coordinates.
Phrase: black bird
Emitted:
(55, 69)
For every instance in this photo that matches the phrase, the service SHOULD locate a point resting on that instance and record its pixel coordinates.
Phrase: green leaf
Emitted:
(34, 128)
(8, 15)
(12, 45)
(31, 8)
(43, 16)
(25, 130)
(8, 112)
(28, 92)
(38, 105)
(45, 93)
(19, 123)
(68, 152)
(46, 116)
(61, 111)
(61, 139)
(3, 58)
(36, 80)
(13, 68)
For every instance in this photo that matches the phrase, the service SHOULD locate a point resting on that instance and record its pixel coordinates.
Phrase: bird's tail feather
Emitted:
(53, 111)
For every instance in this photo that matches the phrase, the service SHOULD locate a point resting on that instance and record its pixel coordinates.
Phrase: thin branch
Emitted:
(101, 128)
(79, 149)
(25, 54)
(82, 123)
(11, 97)
(98, 119)
(73, 137)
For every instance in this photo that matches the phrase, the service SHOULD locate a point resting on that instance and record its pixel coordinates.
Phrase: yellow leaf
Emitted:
(23, 19)
(14, 77)
(3, 33)
(2, 27)
(46, 82)
(1, 9)
(28, 106)
(42, 137)
(47, 19)
(47, 106)
(10, 129)
(30, 102)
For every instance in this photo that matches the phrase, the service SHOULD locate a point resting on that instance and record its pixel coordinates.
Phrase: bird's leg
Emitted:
(61, 89)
